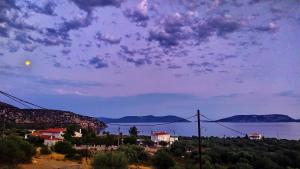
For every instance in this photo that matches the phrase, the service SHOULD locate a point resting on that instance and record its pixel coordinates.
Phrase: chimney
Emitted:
(80, 131)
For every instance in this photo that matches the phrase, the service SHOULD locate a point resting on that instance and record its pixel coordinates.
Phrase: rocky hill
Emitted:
(258, 118)
(44, 118)
(144, 119)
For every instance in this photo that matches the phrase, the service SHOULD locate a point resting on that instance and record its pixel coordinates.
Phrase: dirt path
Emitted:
(54, 161)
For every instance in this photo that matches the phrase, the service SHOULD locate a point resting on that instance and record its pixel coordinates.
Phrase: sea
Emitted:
(290, 131)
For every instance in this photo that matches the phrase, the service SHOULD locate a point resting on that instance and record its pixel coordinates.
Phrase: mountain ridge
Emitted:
(253, 118)
(45, 118)
(143, 119)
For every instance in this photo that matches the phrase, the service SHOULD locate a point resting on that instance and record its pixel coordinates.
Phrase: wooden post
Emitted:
(199, 139)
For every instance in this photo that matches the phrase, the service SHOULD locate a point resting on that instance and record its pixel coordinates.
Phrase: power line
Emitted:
(229, 128)
(150, 125)
(16, 100)
(20, 100)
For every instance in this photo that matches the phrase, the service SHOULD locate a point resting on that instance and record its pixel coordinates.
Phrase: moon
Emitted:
(27, 63)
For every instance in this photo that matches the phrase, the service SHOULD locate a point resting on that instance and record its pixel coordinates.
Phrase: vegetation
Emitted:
(163, 160)
(45, 150)
(133, 131)
(239, 153)
(111, 160)
(134, 153)
(132, 140)
(35, 140)
(14, 150)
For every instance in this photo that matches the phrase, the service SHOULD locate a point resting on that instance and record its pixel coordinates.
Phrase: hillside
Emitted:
(258, 118)
(41, 118)
(143, 119)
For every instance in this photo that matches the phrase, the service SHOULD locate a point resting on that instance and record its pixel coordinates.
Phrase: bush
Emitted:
(134, 154)
(45, 150)
(15, 150)
(178, 149)
(35, 140)
(111, 160)
(163, 160)
(163, 143)
(148, 142)
(63, 147)
(130, 140)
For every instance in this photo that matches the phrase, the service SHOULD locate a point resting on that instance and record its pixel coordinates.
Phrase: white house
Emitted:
(51, 141)
(255, 136)
(53, 135)
(163, 136)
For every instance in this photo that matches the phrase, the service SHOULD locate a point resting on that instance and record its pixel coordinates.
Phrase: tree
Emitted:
(163, 143)
(130, 140)
(14, 150)
(111, 160)
(163, 160)
(63, 147)
(133, 131)
(35, 140)
(70, 132)
(178, 149)
(134, 153)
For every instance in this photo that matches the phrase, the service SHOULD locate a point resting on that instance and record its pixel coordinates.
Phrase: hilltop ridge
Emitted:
(144, 119)
(44, 118)
(258, 118)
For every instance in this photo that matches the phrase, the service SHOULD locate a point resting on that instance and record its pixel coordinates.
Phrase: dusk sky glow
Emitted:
(112, 58)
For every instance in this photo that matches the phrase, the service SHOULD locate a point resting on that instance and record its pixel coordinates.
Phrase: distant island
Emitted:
(269, 118)
(143, 119)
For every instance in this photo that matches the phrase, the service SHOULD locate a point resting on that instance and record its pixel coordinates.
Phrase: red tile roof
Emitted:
(52, 130)
(159, 133)
(54, 139)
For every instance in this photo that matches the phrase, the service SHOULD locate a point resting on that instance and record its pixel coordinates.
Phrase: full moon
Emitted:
(27, 63)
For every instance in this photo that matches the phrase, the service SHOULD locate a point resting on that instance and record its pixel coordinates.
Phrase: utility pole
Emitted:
(119, 136)
(199, 140)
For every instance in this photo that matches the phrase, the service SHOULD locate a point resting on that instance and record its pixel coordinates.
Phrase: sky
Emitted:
(112, 58)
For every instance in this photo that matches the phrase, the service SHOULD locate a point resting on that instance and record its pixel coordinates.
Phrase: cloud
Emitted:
(76, 23)
(226, 57)
(98, 63)
(88, 5)
(233, 95)
(271, 28)
(47, 9)
(108, 39)
(138, 15)
(138, 62)
(3, 31)
(223, 26)
(288, 93)
(177, 28)
(51, 82)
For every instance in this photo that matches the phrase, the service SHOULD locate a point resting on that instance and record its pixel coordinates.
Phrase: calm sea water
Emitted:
(277, 130)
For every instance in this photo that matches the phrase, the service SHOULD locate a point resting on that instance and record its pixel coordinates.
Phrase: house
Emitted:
(255, 136)
(52, 135)
(157, 137)
(51, 141)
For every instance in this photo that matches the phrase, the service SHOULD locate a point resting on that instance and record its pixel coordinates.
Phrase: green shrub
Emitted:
(15, 150)
(63, 147)
(163, 143)
(111, 160)
(134, 153)
(178, 149)
(130, 140)
(148, 142)
(35, 140)
(163, 160)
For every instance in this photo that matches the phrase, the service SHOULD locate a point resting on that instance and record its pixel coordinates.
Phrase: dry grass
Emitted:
(54, 161)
